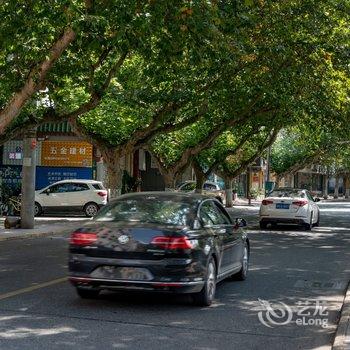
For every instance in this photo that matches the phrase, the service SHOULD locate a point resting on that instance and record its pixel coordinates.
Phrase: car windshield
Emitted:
(191, 186)
(147, 210)
(293, 193)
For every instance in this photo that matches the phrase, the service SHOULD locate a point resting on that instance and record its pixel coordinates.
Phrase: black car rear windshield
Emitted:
(147, 210)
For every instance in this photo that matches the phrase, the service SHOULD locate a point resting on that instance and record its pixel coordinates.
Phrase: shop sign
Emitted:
(66, 153)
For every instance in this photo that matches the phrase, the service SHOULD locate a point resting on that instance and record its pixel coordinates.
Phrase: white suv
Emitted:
(86, 196)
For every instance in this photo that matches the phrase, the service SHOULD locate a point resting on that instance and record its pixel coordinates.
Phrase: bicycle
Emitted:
(12, 207)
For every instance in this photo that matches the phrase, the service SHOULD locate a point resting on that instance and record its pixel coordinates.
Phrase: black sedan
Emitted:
(159, 241)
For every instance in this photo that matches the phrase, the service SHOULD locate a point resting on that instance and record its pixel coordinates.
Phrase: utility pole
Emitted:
(28, 179)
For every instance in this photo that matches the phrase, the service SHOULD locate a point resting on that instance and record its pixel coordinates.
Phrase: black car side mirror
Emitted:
(240, 222)
(317, 199)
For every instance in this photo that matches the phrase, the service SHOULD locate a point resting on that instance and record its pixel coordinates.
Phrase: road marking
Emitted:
(32, 288)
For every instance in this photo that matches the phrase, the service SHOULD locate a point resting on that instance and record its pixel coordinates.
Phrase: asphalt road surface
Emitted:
(291, 299)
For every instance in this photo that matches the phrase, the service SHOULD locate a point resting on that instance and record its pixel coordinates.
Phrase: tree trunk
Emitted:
(114, 172)
(199, 184)
(325, 187)
(228, 191)
(292, 181)
(347, 186)
(200, 177)
(336, 188)
(169, 181)
(278, 180)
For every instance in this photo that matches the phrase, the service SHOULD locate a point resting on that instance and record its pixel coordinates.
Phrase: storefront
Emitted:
(61, 160)
(56, 160)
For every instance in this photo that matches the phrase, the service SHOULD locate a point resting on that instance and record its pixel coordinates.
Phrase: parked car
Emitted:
(289, 206)
(161, 242)
(86, 196)
(209, 188)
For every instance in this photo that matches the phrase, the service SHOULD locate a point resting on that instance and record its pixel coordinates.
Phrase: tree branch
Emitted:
(35, 79)
(268, 141)
(71, 117)
(168, 127)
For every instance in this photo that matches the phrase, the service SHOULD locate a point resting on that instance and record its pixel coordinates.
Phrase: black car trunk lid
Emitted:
(131, 240)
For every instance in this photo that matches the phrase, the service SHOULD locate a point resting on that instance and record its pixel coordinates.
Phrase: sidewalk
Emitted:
(40, 230)
(245, 202)
(257, 202)
(342, 337)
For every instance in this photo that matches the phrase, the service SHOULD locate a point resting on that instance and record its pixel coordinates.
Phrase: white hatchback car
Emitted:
(289, 206)
(86, 196)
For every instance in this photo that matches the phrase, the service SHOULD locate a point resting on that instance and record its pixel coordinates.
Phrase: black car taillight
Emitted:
(83, 238)
(171, 243)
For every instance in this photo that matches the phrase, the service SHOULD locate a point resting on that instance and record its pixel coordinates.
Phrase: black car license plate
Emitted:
(282, 206)
(133, 273)
(122, 273)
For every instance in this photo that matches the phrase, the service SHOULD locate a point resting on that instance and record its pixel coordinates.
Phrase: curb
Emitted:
(342, 336)
(34, 234)
(28, 235)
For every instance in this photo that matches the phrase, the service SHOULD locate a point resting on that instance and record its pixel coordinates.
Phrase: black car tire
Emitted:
(88, 293)
(242, 274)
(91, 209)
(38, 210)
(263, 225)
(206, 296)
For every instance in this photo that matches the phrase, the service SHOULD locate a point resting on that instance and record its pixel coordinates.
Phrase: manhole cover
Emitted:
(336, 285)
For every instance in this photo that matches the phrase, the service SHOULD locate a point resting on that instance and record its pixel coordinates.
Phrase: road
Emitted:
(40, 310)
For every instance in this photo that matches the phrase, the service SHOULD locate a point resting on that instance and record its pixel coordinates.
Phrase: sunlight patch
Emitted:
(23, 332)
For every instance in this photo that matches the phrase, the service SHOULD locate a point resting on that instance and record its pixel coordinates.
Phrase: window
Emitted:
(76, 187)
(61, 188)
(293, 193)
(222, 212)
(209, 187)
(188, 187)
(309, 197)
(148, 210)
(210, 215)
(97, 187)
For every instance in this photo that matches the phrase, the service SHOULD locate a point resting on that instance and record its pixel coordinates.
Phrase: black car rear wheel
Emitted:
(88, 293)
(206, 296)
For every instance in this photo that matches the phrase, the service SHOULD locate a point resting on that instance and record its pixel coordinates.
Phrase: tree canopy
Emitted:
(173, 77)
